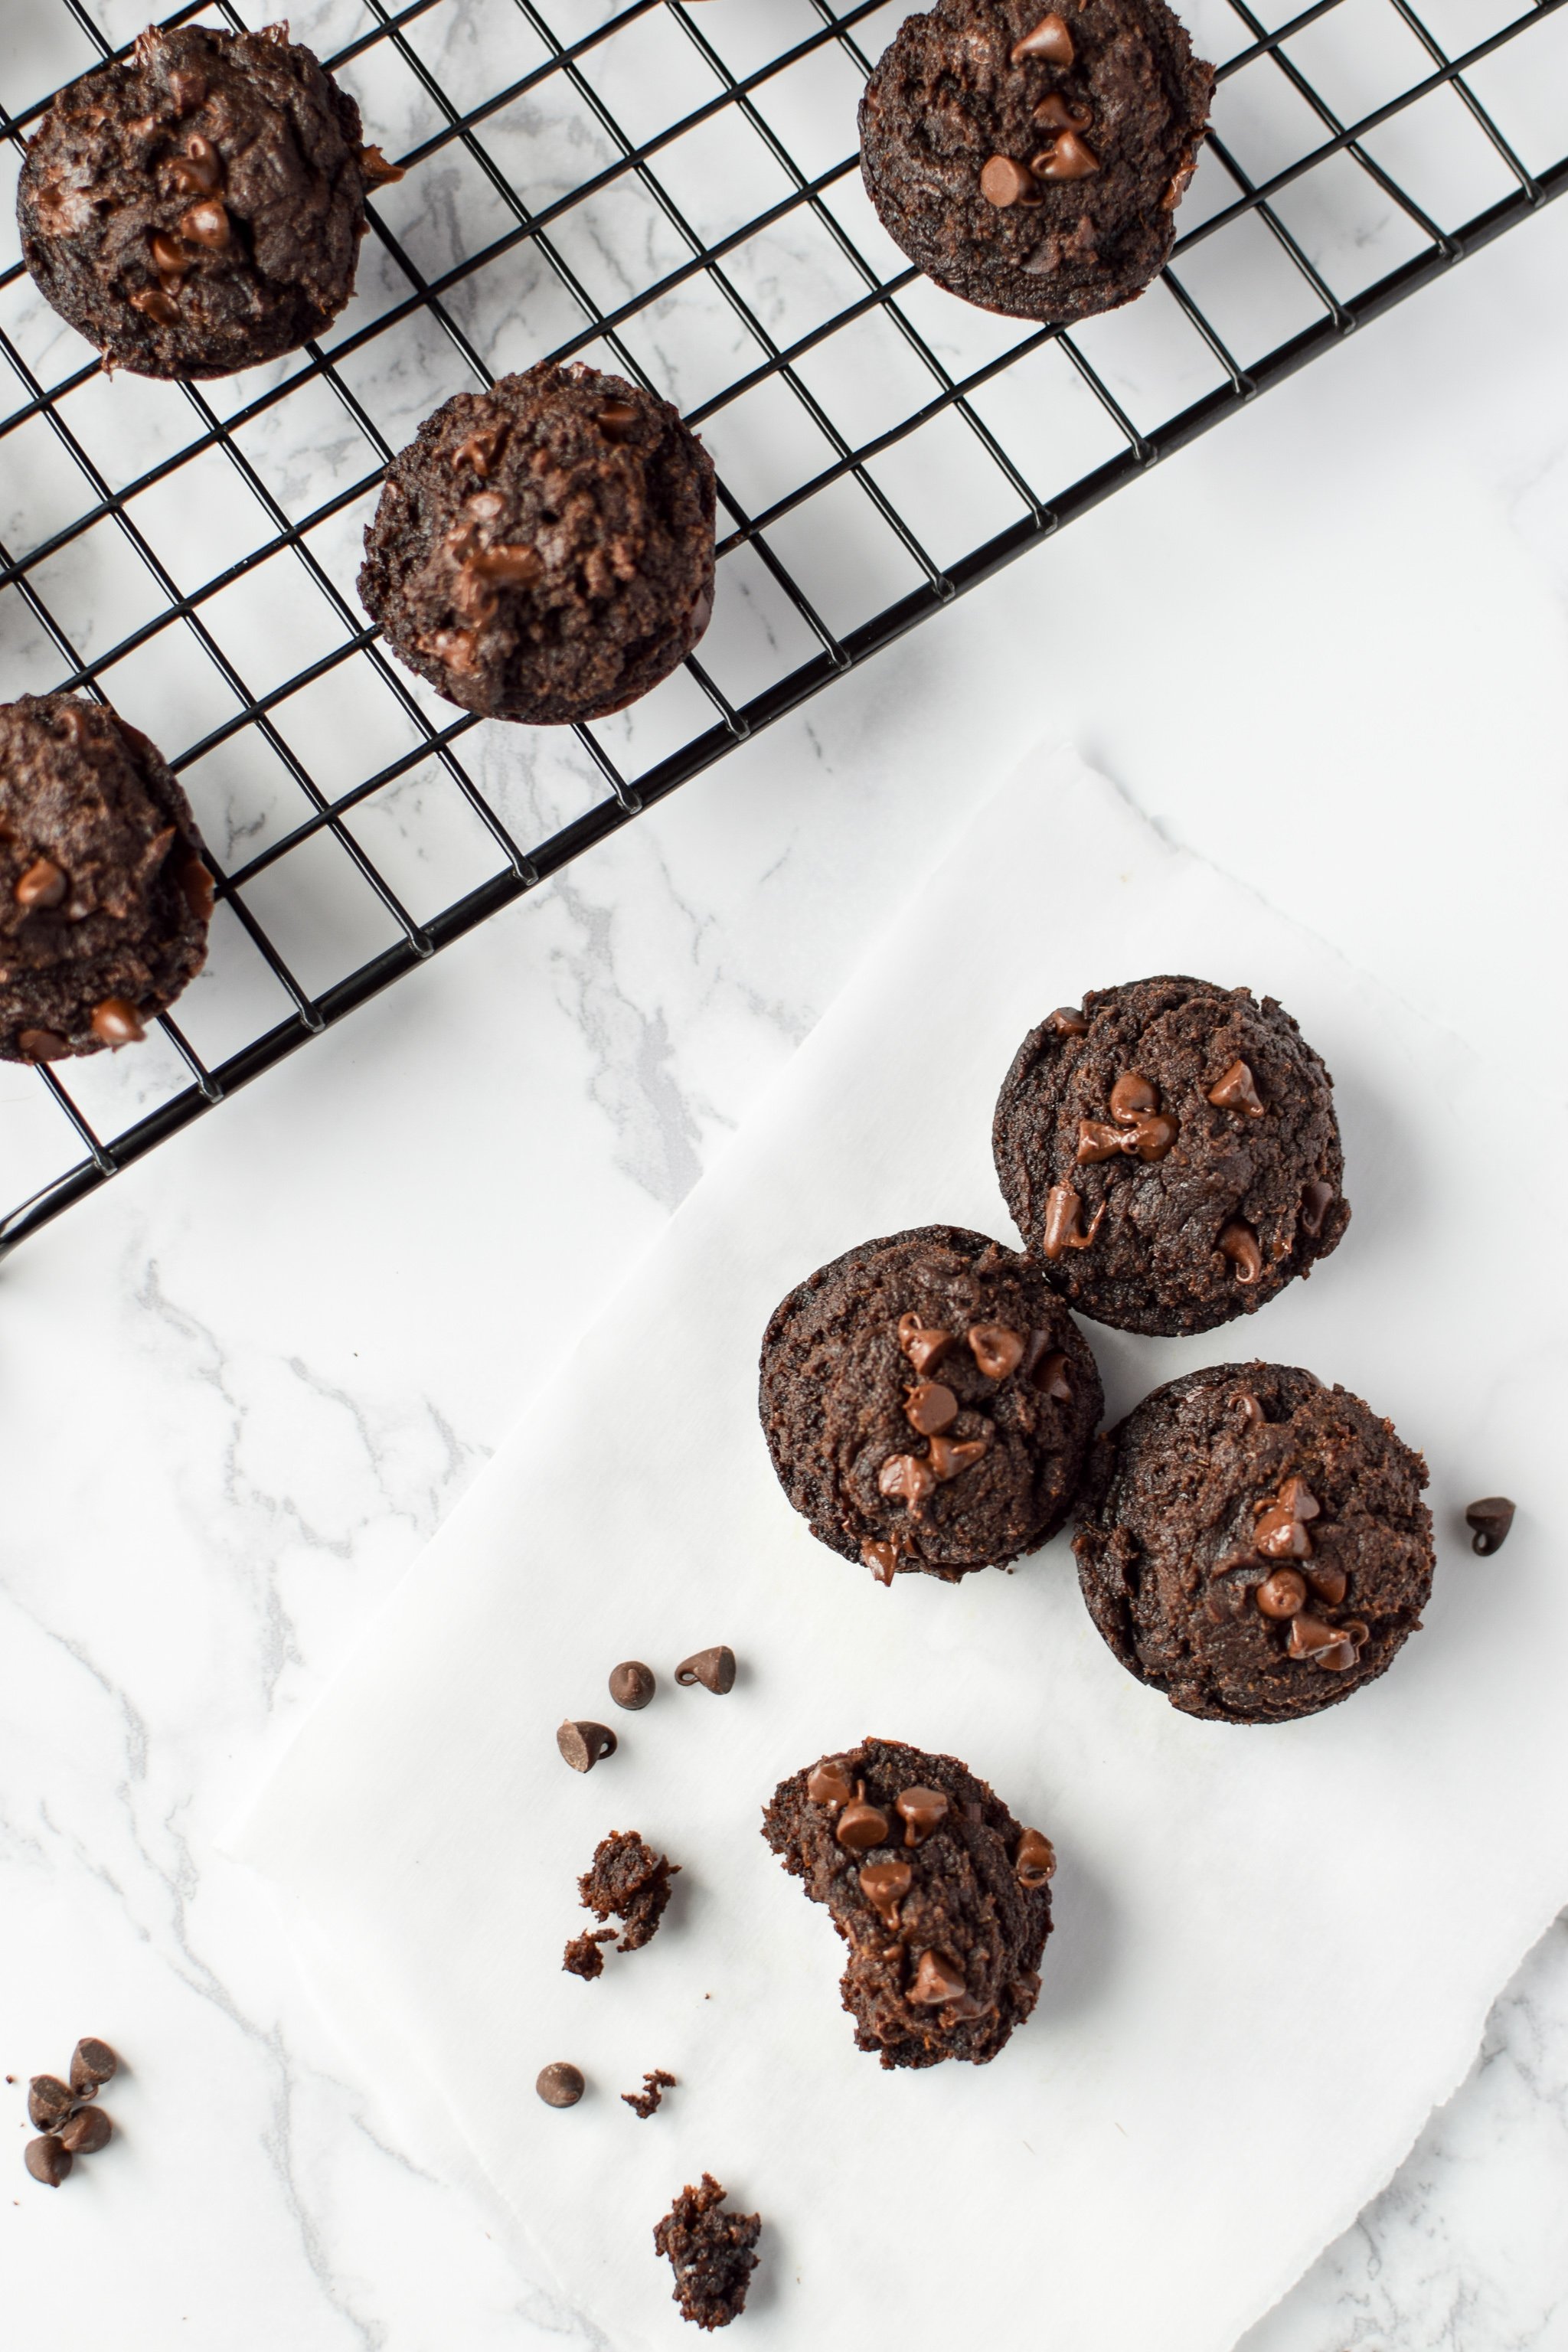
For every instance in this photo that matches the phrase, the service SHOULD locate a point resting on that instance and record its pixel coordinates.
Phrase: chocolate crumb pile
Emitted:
(64, 2114)
(709, 2252)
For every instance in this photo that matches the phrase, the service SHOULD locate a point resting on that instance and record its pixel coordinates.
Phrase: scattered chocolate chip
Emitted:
(49, 2101)
(937, 1980)
(1239, 1243)
(950, 1459)
(1068, 1020)
(830, 1785)
(921, 1811)
(860, 1825)
(378, 172)
(116, 1022)
(714, 1669)
(44, 884)
(1067, 159)
(997, 1350)
(583, 1744)
(881, 1559)
(1055, 113)
(86, 2132)
(1235, 1090)
(560, 2085)
(924, 1346)
(1489, 1522)
(93, 2063)
(48, 2160)
(654, 2086)
(906, 1478)
(930, 1408)
(632, 1684)
(1050, 42)
(1064, 1211)
(205, 223)
(583, 1956)
(1035, 1862)
(1316, 1201)
(1003, 181)
(884, 1885)
(1282, 1593)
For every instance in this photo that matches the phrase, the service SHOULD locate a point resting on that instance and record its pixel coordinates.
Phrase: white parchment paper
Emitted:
(1275, 1947)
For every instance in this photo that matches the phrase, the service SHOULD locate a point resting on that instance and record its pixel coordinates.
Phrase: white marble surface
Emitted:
(237, 1391)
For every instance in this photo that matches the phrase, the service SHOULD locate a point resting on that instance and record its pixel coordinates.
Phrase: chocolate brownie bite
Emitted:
(928, 1402)
(104, 898)
(1257, 1546)
(199, 208)
(1031, 161)
(941, 1896)
(1170, 1150)
(543, 551)
(710, 2253)
(628, 1881)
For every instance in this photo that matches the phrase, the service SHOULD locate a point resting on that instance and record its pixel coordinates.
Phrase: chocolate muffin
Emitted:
(1170, 1150)
(1031, 161)
(544, 550)
(1256, 1545)
(104, 899)
(943, 1900)
(928, 1403)
(200, 208)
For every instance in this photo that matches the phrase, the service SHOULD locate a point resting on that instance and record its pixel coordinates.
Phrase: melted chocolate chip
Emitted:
(44, 885)
(906, 1478)
(1064, 1211)
(1282, 1593)
(950, 1460)
(921, 1811)
(1235, 1090)
(860, 1825)
(830, 1785)
(1067, 159)
(1133, 1098)
(1239, 1242)
(1036, 1860)
(937, 1980)
(923, 1345)
(1316, 1201)
(1003, 182)
(1067, 1020)
(881, 1559)
(1050, 42)
(931, 1408)
(884, 1885)
(995, 1349)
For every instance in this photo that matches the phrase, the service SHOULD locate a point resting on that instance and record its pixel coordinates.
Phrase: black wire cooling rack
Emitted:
(669, 188)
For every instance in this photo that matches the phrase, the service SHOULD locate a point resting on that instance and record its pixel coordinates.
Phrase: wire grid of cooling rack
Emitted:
(671, 189)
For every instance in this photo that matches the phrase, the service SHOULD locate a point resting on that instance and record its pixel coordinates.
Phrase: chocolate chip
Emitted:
(1252, 1413)
(560, 2085)
(1148, 1137)
(93, 2063)
(47, 2160)
(995, 1349)
(881, 1559)
(187, 88)
(207, 225)
(485, 506)
(1489, 1522)
(937, 1980)
(930, 1408)
(583, 1744)
(513, 566)
(1181, 182)
(884, 1885)
(616, 419)
(1035, 1862)
(830, 1785)
(1051, 1377)
(154, 302)
(49, 2101)
(923, 1345)
(1282, 1593)
(1239, 1242)
(197, 887)
(1133, 1098)
(921, 1811)
(860, 1825)
(44, 884)
(1067, 159)
(906, 1478)
(632, 1683)
(86, 2132)
(1235, 1090)
(169, 257)
(199, 171)
(1333, 1647)
(714, 1669)
(1067, 1020)
(1281, 1530)
(1063, 1212)
(1055, 113)
(949, 1460)
(42, 1045)
(1050, 42)
(480, 450)
(1003, 182)
(1316, 1201)
(1098, 1142)
(378, 172)
(116, 1022)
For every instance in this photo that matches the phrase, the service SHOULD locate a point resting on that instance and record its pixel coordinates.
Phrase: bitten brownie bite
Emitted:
(1256, 1547)
(710, 2253)
(942, 1898)
(628, 1881)
(544, 550)
(1170, 1150)
(928, 1402)
(104, 899)
(199, 209)
(1031, 161)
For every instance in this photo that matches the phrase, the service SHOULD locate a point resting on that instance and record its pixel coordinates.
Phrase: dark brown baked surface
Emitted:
(710, 2252)
(927, 1402)
(1170, 1153)
(1257, 1548)
(199, 208)
(941, 1896)
(544, 550)
(1031, 161)
(104, 898)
